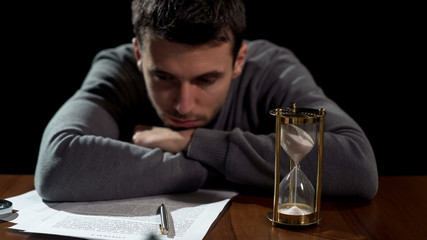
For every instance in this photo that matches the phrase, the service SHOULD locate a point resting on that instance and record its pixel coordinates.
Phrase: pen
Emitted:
(164, 229)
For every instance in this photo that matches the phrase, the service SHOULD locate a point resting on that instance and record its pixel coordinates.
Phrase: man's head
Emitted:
(188, 51)
(190, 22)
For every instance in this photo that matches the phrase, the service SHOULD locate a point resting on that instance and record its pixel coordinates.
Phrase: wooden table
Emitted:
(399, 211)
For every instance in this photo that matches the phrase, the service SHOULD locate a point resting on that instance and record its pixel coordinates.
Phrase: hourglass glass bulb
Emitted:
(295, 141)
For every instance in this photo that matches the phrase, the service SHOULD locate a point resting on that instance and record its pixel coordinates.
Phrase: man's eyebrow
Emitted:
(214, 73)
(156, 70)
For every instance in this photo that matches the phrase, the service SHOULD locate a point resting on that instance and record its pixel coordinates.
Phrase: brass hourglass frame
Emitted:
(297, 116)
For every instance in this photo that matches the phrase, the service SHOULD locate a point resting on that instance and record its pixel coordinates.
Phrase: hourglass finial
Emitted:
(294, 107)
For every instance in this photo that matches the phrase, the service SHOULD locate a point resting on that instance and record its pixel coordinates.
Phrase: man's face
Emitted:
(187, 84)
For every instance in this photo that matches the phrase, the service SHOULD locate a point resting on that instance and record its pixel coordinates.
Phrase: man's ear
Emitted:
(240, 60)
(136, 49)
(137, 53)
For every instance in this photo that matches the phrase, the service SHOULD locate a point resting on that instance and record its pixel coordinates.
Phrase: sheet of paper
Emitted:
(26, 207)
(189, 216)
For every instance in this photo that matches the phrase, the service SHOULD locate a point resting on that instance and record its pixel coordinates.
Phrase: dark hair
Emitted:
(191, 21)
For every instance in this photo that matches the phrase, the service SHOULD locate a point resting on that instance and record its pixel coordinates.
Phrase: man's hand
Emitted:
(165, 138)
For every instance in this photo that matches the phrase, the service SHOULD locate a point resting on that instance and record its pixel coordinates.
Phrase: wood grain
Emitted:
(399, 211)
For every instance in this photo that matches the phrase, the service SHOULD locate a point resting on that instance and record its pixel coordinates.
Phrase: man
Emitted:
(186, 106)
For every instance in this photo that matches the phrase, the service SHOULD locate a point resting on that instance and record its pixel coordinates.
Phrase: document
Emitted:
(189, 216)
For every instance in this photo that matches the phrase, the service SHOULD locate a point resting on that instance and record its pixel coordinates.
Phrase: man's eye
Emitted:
(163, 77)
(164, 80)
(205, 81)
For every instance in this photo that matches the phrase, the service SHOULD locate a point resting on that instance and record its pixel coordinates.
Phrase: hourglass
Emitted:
(299, 132)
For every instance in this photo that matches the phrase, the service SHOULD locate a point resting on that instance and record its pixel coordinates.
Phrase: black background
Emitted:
(368, 58)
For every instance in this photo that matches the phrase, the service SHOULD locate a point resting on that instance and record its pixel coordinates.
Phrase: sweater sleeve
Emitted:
(83, 156)
(244, 154)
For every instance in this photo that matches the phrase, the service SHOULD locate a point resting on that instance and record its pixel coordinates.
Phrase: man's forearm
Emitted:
(85, 168)
(348, 168)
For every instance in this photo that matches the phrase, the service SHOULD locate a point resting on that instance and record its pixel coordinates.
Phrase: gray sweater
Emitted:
(86, 153)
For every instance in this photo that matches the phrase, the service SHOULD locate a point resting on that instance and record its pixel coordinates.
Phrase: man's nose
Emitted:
(186, 98)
